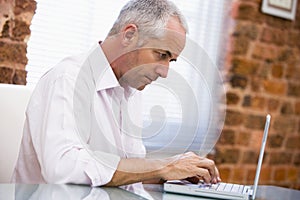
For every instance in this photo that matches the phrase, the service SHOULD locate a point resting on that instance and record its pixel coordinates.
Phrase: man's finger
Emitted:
(193, 179)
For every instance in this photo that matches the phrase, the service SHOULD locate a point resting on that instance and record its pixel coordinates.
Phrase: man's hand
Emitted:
(191, 167)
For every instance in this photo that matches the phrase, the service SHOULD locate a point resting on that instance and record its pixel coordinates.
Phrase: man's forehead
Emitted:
(171, 41)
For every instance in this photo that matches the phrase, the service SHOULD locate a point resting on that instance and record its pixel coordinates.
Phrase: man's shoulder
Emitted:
(68, 67)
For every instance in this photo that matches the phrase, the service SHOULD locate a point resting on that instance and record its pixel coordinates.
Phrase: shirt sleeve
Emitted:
(63, 154)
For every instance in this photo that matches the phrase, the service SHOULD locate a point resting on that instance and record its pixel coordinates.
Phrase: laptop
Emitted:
(221, 190)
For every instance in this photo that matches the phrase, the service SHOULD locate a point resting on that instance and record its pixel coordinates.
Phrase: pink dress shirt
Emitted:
(79, 123)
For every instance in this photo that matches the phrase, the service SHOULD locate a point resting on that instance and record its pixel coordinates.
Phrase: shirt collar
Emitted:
(103, 74)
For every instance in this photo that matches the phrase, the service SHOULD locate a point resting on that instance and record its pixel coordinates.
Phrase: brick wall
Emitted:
(15, 18)
(262, 76)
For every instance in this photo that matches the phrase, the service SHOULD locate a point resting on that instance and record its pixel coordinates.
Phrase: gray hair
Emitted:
(150, 16)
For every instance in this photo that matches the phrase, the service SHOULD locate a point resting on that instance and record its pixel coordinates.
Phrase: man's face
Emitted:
(152, 60)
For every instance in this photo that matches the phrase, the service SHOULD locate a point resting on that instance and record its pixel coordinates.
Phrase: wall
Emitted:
(262, 73)
(15, 18)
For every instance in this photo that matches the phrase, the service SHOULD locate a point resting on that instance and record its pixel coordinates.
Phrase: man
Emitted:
(80, 127)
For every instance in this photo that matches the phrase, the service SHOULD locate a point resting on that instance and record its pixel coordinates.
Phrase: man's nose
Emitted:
(163, 69)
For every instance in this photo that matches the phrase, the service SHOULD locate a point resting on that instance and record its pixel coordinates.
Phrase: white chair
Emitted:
(13, 103)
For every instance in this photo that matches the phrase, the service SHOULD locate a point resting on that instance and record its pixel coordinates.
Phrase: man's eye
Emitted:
(162, 56)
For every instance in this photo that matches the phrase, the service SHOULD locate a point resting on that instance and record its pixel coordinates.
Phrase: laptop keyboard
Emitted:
(226, 187)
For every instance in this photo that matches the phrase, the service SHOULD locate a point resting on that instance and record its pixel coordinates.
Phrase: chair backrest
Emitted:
(13, 103)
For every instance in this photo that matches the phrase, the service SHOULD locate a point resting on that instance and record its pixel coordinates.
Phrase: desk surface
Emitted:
(74, 192)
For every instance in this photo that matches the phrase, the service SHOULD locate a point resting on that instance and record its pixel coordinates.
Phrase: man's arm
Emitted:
(182, 166)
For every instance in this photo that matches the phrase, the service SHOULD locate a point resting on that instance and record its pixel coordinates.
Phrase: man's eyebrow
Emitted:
(170, 55)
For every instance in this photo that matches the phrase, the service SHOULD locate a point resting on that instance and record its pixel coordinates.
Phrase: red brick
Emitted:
(238, 81)
(265, 174)
(256, 84)
(255, 122)
(273, 35)
(239, 175)
(275, 141)
(233, 118)
(293, 39)
(232, 98)
(292, 174)
(294, 89)
(256, 139)
(6, 74)
(251, 175)
(21, 30)
(19, 77)
(297, 108)
(24, 6)
(247, 101)
(287, 108)
(250, 157)
(240, 45)
(13, 52)
(288, 55)
(273, 104)
(275, 87)
(278, 22)
(264, 71)
(6, 30)
(297, 160)
(258, 102)
(277, 158)
(293, 71)
(265, 52)
(277, 70)
(255, 102)
(228, 156)
(244, 66)
(249, 12)
(280, 174)
(293, 142)
(284, 124)
(248, 30)
(244, 138)
(225, 173)
(227, 137)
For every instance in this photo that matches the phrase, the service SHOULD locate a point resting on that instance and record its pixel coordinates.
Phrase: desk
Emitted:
(74, 192)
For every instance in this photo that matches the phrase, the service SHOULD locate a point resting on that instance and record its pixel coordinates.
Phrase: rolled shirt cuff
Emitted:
(101, 170)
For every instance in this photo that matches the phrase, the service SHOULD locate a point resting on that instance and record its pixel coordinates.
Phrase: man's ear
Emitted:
(130, 35)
